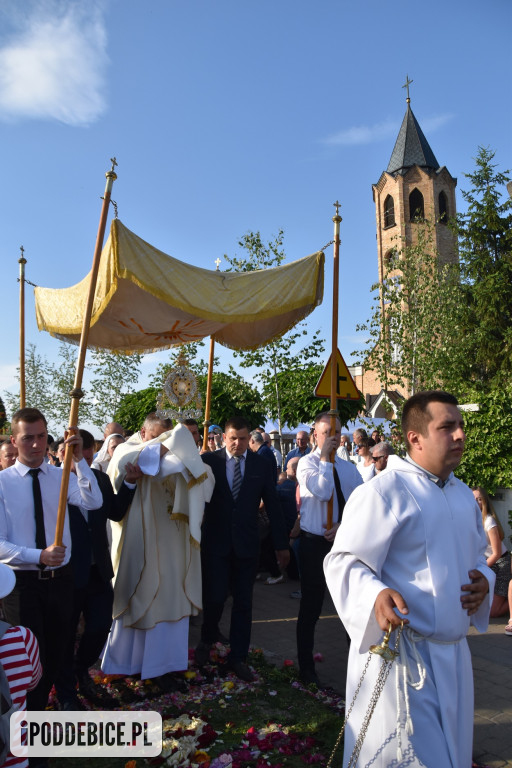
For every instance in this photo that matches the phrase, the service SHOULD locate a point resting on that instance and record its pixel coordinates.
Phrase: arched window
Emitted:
(389, 211)
(416, 205)
(443, 208)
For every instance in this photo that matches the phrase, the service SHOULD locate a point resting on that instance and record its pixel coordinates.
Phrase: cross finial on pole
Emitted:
(337, 205)
(406, 85)
(114, 163)
(22, 259)
(217, 262)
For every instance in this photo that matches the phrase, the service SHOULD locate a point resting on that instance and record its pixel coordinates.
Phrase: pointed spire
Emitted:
(411, 147)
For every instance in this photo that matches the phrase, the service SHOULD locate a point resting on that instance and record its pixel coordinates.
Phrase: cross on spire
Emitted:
(406, 85)
(217, 262)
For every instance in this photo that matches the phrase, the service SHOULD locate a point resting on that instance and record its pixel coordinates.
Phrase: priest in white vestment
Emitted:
(156, 552)
(411, 546)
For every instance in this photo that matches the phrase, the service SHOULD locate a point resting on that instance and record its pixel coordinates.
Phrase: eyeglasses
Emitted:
(376, 458)
(211, 437)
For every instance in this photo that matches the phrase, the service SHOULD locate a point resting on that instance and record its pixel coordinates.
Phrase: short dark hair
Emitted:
(87, 439)
(236, 422)
(416, 415)
(29, 415)
(190, 423)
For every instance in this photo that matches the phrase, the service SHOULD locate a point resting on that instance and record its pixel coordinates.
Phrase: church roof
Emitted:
(411, 147)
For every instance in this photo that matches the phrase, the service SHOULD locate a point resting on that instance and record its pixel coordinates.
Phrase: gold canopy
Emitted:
(146, 300)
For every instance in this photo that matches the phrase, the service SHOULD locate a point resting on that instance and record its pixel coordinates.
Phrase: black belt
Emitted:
(47, 575)
(308, 535)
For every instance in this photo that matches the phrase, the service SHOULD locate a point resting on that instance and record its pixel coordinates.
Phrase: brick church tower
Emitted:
(413, 186)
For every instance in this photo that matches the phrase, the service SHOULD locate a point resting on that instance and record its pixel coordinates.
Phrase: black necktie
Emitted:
(339, 495)
(38, 511)
(237, 477)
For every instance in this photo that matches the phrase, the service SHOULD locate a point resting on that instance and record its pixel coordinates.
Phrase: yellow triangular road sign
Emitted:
(345, 386)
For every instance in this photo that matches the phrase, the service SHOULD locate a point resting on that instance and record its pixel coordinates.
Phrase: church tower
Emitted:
(414, 186)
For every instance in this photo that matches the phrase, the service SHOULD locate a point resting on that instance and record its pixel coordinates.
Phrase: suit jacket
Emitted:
(267, 454)
(230, 525)
(89, 540)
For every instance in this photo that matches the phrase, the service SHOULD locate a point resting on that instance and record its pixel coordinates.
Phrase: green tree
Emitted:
(39, 386)
(282, 360)
(3, 417)
(114, 375)
(417, 318)
(231, 395)
(451, 328)
(134, 407)
(484, 233)
(298, 399)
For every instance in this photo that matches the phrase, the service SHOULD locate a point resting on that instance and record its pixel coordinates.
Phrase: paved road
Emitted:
(274, 631)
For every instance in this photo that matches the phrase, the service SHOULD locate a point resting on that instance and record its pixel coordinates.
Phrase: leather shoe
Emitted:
(72, 705)
(202, 654)
(241, 670)
(92, 693)
(310, 677)
(170, 683)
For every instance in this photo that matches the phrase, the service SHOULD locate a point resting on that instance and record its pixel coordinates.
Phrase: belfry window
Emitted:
(389, 211)
(416, 205)
(443, 208)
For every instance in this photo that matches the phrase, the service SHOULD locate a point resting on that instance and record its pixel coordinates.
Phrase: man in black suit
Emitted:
(230, 541)
(92, 574)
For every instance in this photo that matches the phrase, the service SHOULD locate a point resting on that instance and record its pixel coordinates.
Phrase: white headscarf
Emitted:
(102, 460)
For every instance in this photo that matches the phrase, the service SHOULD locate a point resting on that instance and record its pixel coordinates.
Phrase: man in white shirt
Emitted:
(317, 484)
(29, 500)
(411, 549)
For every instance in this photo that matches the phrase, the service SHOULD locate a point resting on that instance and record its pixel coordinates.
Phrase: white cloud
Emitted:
(52, 65)
(363, 134)
(369, 134)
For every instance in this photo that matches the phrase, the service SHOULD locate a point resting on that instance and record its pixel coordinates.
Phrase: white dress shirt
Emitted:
(17, 519)
(316, 483)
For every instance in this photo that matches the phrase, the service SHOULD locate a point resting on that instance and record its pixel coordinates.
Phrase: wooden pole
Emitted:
(209, 384)
(76, 393)
(208, 394)
(22, 261)
(333, 413)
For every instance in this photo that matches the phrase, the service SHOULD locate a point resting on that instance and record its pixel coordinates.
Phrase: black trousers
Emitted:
(44, 606)
(222, 575)
(312, 550)
(94, 601)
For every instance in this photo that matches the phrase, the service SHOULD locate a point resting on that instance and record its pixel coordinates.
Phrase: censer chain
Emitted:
(379, 687)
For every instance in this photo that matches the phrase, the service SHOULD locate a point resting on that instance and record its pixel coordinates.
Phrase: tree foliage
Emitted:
(451, 327)
(231, 395)
(114, 376)
(412, 342)
(48, 385)
(282, 363)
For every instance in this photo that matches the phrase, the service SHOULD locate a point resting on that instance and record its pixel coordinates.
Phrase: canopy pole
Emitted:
(207, 405)
(22, 261)
(333, 413)
(208, 394)
(77, 393)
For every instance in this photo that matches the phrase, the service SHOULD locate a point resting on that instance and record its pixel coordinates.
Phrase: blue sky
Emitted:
(226, 117)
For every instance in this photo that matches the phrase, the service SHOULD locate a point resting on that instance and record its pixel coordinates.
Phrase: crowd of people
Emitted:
(160, 529)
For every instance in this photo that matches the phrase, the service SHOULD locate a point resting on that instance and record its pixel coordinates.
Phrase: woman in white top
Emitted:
(498, 557)
(367, 466)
